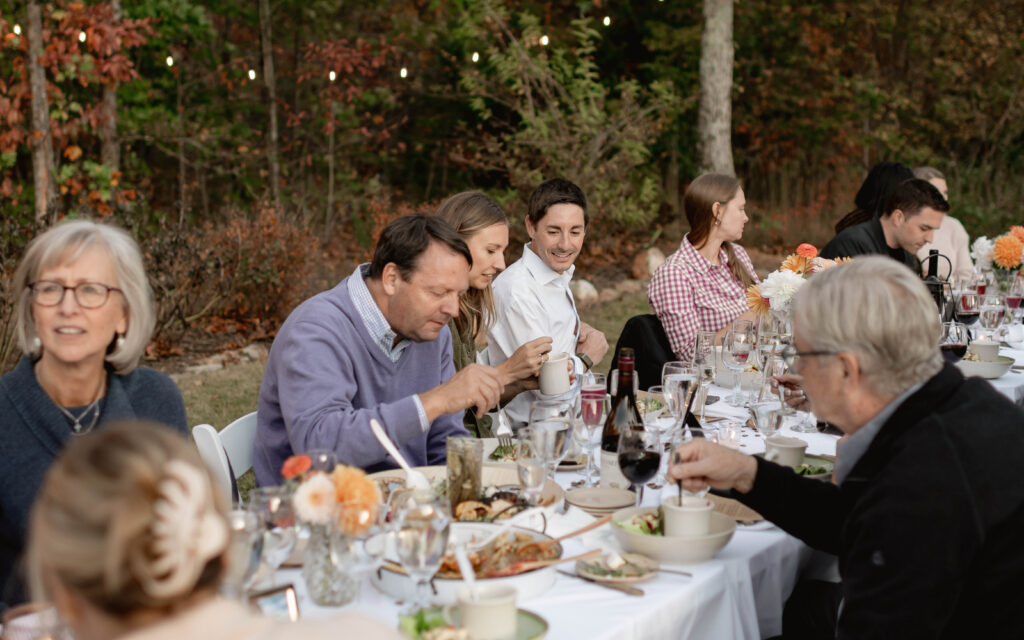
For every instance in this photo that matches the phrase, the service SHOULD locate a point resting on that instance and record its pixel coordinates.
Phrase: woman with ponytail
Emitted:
(703, 285)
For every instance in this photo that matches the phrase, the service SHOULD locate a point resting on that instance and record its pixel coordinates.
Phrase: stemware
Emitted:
(594, 409)
(421, 537)
(654, 405)
(968, 308)
(357, 538)
(736, 350)
(531, 465)
(245, 548)
(993, 309)
(322, 460)
(274, 507)
(639, 457)
(767, 418)
(704, 360)
(552, 422)
(678, 383)
(954, 341)
(1014, 293)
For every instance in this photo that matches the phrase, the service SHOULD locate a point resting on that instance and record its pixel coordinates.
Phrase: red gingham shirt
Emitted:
(690, 294)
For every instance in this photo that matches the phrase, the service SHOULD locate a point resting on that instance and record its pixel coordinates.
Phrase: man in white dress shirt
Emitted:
(532, 297)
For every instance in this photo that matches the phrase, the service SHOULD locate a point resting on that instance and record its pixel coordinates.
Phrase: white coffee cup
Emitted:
(554, 374)
(987, 351)
(691, 518)
(492, 616)
(787, 451)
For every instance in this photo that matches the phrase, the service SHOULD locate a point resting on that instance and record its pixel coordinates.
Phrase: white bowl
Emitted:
(676, 549)
(527, 585)
(987, 370)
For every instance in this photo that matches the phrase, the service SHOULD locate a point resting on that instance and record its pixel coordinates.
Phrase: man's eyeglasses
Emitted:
(88, 295)
(790, 354)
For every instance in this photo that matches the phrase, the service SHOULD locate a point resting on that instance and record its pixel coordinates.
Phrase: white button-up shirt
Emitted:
(532, 300)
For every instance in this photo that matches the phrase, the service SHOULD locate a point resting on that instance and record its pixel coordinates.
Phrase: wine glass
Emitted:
(422, 523)
(274, 507)
(639, 457)
(551, 421)
(704, 360)
(968, 308)
(245, 548)
(954, 341)
(357, 537)
(767, 418)
(594, 409)
(993, 309)
(678, 382)
(736, 348)
(322, 460)
(1014, 293)
(531, 466)
(654, 405)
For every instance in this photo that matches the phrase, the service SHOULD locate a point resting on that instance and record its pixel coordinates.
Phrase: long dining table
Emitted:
(740, 593)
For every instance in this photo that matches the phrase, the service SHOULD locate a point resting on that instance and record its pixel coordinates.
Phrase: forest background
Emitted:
(257, 148)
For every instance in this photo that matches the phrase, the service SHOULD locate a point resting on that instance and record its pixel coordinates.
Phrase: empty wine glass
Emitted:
(704, 360)
(245, 548)
(594, 409)
(954, 341)
(1014, 293)
(552, 422)
(357, 537)
(767, 418)
(530, 465)
(639, 457)
(422, 524)
(679, 383)
(274, 507)
(993, 309)
(322, 460)
(736, 350)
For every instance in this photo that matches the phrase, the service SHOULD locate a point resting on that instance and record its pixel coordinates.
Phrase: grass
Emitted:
(218, 397)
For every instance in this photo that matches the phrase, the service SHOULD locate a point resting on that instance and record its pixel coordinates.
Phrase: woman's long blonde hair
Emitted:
(469, 213)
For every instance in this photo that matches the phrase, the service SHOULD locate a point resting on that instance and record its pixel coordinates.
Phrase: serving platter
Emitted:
(492, 476)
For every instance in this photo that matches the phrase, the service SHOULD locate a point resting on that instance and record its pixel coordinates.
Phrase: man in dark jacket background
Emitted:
(927, 513)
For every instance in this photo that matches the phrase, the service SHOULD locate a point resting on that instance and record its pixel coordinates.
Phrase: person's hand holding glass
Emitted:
(737, 348)
(421, 530)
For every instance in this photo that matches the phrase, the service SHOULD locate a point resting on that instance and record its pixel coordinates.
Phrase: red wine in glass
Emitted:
(968, 317)
(639, 465)
(982, 288)
(953, 352)
(1013, 301)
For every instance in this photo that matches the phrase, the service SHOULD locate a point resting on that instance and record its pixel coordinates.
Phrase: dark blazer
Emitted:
(867, 238)
(33, 431)
(929, 525)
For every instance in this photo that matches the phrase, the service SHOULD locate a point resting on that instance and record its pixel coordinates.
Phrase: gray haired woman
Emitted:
(83, 316)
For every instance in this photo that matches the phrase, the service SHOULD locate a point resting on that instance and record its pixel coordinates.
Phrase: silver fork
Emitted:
(504, 430)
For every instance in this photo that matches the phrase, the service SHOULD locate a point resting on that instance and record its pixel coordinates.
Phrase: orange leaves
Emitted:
(73, 152)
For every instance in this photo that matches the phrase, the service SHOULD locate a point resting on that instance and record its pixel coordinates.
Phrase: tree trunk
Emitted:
(714, 117)
(268, 77)
(110, 150)
(41, 139)
(182, 184)
(672, 173)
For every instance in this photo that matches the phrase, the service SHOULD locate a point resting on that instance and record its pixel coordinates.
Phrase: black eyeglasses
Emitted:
(790, 354)
(88, 295)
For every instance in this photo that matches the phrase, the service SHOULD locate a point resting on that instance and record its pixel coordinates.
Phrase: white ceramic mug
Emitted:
(554, 374)
(789, 452)
(492, 616)
(987, 351)
(691, 518)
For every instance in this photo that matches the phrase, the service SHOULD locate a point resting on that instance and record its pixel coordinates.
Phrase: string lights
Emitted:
(607, 21)
(404, 72)
(81, 36)
(476, 56)
(332, 76)
(170, 61)
(544, 40)
(17, 29)
(252, 74)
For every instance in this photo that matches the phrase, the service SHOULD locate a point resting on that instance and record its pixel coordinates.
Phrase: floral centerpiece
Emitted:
(1005, 253)
(775, 293)
(342, 504)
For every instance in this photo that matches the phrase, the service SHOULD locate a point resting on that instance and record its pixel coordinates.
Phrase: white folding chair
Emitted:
(228, 453)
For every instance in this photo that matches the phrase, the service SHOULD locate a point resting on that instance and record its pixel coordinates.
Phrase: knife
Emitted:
(624, 588)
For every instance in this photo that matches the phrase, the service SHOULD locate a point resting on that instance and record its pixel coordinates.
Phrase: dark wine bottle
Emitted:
(622, 414)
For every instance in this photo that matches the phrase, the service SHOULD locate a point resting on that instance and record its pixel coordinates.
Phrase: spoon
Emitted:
(413, 478)
(466, 569)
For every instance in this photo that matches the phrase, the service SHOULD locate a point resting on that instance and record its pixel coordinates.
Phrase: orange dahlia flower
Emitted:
(357, 496)
(807, 250)
(1017, 231)
(295, 466)
(756, 303)
(1006, 251)
(796, 263)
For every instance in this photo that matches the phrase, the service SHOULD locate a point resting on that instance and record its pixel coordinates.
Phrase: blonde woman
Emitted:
(484, 227)
(129, 540)
(83, 317)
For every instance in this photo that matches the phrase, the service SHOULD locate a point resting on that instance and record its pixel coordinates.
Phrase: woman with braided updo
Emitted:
(129, 540)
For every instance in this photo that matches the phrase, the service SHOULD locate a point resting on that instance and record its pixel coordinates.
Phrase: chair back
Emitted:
(212, 452)
(649, 341)
(238, 439)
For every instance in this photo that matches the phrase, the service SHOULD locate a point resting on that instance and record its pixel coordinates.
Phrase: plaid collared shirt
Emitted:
(690, 294)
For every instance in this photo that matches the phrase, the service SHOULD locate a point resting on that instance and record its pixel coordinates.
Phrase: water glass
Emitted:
(245, 548)
(736, 351)
(273, 505)
(422, 523)
(654, 404)
(993, 309)
(594, 411)
(358, 536)
(704, 359)
(679, 383)
(551, 422)
(531, 466)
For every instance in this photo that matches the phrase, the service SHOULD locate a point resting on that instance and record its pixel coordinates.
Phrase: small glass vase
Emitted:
(327, 585)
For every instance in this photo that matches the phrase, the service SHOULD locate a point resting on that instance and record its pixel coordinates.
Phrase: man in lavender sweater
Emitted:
(375, 346)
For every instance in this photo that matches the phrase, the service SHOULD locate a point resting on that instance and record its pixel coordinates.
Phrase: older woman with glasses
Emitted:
(83, 317)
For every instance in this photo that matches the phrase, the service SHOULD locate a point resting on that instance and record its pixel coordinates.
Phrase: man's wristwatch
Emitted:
(585, 359)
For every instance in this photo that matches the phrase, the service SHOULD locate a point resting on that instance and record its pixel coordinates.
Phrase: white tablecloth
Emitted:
(1011, 384)
(738, 594)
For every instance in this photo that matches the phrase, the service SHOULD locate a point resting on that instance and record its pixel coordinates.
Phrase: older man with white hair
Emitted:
(927, 510)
